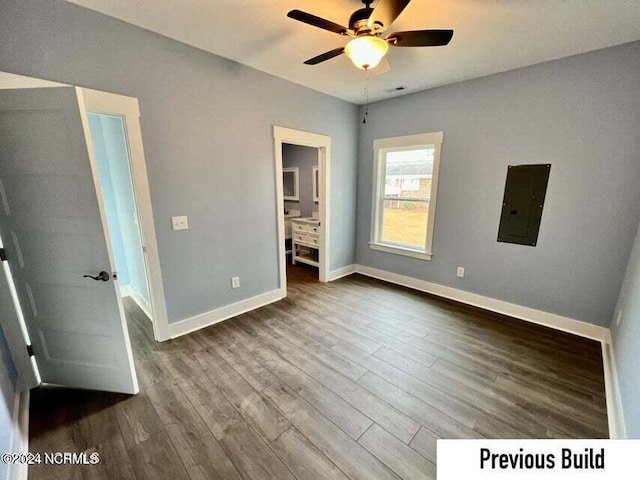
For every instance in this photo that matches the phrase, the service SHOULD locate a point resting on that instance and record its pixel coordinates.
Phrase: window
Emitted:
(405, 184)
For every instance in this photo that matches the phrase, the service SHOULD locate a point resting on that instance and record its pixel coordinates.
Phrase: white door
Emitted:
(52, 224)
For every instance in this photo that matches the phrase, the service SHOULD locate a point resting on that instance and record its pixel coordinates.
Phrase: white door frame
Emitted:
(127, 107)
(283, 135)
(15, 331)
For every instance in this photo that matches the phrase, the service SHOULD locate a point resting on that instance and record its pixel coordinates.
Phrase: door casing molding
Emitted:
(292, 136)
(128, 108)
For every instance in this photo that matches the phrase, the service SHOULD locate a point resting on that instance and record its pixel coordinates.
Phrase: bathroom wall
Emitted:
(304, 158)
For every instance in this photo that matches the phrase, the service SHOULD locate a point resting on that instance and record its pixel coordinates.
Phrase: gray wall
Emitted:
(626, 342)
(7, 397)
(582, 115)
(305, 158)
(207, 131)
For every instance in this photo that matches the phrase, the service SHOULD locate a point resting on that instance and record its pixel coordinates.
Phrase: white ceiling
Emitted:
(490, 36)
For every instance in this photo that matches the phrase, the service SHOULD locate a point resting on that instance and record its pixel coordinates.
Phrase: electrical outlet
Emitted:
(179, 223)
(460, 272)
(235, 282)
(619, 318)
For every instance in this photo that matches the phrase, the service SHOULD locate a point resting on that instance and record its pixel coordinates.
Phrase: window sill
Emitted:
(407, 252)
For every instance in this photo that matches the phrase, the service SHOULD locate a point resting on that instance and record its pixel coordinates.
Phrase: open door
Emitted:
(53, 225)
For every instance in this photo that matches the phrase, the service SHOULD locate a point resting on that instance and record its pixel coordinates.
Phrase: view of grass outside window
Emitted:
(405, 197)
(405, 178)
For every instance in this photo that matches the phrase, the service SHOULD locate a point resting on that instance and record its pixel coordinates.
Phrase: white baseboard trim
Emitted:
(129, 291)
(126, 290)
(615, 412)
(341, 272)
(20, 437)
(558, 322)
(206, 319)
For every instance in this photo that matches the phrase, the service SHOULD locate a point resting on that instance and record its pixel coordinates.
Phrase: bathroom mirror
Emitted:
(291, 184)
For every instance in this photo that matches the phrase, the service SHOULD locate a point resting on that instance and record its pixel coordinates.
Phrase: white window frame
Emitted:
(380, 148)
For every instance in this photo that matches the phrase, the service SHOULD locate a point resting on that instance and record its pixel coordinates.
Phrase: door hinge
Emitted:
(30, 350)
(3, 255)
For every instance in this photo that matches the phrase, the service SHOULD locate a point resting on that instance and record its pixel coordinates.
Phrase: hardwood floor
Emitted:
(351, 379)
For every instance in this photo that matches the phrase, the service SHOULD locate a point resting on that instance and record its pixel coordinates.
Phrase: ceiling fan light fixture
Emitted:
(366, 51)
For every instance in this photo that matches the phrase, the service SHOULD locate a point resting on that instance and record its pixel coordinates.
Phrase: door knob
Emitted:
(104, 276)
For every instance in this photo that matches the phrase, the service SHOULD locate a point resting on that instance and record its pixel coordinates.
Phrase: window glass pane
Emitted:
(404, 222)
(408, 173)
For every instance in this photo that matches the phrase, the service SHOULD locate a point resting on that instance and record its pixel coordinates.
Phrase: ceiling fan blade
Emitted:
(383, 67)
(325, 56)
(309, 19)
(385, 13)
(420, 38)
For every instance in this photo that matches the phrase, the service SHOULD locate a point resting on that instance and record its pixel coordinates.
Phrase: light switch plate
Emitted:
(179, 223)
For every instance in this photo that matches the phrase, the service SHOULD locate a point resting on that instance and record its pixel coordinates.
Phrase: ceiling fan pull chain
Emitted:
(366, 104)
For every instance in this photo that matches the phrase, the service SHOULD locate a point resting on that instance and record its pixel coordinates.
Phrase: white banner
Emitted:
(538, 459)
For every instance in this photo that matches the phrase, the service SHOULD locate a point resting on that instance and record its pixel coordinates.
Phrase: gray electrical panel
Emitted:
(522, 204)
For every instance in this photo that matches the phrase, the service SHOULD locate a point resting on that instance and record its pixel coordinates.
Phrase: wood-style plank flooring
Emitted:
(352, 379)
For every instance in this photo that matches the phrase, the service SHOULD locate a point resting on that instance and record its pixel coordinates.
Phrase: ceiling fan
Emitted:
(367, 48)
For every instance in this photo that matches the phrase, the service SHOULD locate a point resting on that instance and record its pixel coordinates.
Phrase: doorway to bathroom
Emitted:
(302, 162)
